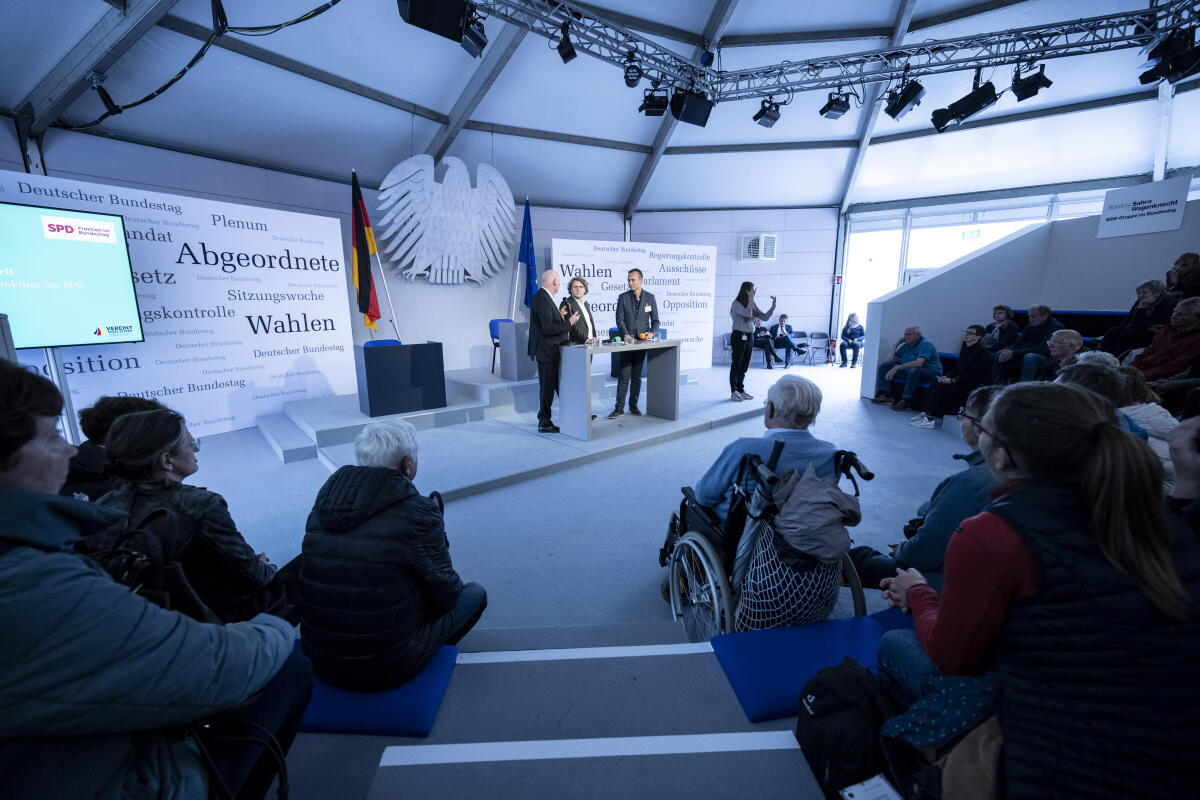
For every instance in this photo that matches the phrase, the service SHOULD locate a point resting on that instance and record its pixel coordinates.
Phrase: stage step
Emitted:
(288, 441)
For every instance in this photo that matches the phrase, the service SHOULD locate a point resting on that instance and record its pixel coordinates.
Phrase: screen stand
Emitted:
(59, 377)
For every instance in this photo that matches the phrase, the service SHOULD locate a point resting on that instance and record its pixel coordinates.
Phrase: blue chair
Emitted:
(818, 341)
(494, 329)
(726, 347)
(381, 342)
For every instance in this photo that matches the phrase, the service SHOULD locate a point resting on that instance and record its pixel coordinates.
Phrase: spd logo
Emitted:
(78, 229)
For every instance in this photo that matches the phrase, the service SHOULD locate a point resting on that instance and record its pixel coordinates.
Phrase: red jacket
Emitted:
(1169, 353)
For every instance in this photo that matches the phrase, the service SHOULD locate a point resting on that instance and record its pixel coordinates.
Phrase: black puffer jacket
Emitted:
(375, 576)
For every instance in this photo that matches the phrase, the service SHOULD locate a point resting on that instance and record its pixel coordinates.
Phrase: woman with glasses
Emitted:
(962, 495)
(153, 452)
(949, 391)
(1080, 595)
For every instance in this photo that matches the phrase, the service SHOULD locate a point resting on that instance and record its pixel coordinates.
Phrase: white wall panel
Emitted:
(1091, 144)
(10, 150)
(1184, 149)
(748, 180)
(33, 38)
(553, 173)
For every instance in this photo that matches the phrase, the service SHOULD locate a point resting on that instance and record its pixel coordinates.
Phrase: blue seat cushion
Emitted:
(767, 669)
(407, 710)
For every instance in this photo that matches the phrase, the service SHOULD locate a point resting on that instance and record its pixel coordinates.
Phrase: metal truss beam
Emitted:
(597, 36)
(117, 31)
(494, 59)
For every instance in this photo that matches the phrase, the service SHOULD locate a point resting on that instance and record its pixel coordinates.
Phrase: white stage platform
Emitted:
(486, 437)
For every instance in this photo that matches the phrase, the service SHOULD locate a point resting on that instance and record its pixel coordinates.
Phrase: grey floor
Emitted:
(569, 559)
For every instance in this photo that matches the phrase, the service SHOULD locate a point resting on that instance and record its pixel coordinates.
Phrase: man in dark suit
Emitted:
(637, 316)
(547, 333)
(781, 336)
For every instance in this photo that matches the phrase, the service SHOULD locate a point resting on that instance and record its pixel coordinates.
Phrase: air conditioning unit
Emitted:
(757, 246)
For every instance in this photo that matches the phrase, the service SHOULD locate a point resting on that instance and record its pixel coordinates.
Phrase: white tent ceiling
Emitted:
(355, 87)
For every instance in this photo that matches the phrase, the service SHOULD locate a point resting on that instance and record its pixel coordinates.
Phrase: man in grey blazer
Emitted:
(637, 315)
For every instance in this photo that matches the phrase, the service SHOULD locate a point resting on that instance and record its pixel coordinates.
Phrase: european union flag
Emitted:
(526, 257)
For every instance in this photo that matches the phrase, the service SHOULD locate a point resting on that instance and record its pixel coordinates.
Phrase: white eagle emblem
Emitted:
(440, 227)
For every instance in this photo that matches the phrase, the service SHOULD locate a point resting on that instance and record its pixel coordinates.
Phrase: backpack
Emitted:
(841, 711)
(145, 557)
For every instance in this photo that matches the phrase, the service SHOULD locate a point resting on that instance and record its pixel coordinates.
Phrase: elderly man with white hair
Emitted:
(378, 594)
(791, 407)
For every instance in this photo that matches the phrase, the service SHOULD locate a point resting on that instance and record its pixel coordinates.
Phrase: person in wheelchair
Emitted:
(792, 406)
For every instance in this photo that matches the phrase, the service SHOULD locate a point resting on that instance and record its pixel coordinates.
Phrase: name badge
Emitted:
(647, 309)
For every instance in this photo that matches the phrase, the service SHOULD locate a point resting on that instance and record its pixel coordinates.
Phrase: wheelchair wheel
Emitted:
(700, 592)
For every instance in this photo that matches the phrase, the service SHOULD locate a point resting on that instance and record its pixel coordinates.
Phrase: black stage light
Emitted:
(566, 50)
(903, 100)
(837, 105)
(691, 107)
(446, 18)
(633, 73)
(654, 102)
(1171, 46)
(982, 96)
(768, 115)
(1184, 65)
(706, 58)
(1031, 84)
(474, 39)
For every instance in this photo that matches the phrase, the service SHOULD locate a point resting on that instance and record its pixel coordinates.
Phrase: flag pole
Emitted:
(512, 306)
(388, 292)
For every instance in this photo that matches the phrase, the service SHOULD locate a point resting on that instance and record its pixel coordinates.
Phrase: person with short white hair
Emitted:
(1099, 358)
(792, 406)
(378, 592)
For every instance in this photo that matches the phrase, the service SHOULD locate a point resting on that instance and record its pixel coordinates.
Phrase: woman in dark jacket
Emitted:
(378, 593)
(948, 392)
(153, 452)
(1151, 311)
(852, 338)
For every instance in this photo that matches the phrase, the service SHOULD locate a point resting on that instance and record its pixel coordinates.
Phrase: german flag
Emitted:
(364, 248)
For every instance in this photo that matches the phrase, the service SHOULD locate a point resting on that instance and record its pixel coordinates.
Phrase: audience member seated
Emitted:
(764, 341)
(1079, 593)
(1183, 500)
(1099, 358)
(1105, 382)
(1015, 360)
(1002, 332)
(949, 392)
(1183, 279)
(1151, 311)
(1063, 346)
(851, 339)
(913, 359)
(962, 495)
(1173, 391)
(781, 337)
(95, 674)
(153, 452)
(792, 407)
(90, 474)
(378, 594)
(1141, 406)
(1175, 346)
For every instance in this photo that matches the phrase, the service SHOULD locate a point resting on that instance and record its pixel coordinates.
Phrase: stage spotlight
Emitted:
(706, 58)
(633, 73)
(566, 50)
(691, 107)
(446, 18)
(982, 96)
(903, 100)
(474, 39)
(1031, 84)
(1173, 45)
(837, 105)
(654, 102)
(1184, 65)
(768, 115)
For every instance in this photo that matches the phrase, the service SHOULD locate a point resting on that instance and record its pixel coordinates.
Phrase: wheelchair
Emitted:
(700, 550)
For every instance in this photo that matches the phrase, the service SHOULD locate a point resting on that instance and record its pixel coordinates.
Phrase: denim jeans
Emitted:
(902, 657)
(1031, 364)
(911, 378)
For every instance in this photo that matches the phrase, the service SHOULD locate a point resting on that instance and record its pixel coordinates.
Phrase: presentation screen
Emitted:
(65, 278)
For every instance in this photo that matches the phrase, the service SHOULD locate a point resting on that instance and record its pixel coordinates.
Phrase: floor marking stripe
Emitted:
(416, 755)
(569, 653)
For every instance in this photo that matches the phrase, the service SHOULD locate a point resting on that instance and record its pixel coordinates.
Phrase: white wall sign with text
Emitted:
(243, 308)
(681, 277)
(1145, 208)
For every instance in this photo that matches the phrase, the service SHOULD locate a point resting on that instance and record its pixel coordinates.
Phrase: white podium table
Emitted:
(660, 395)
